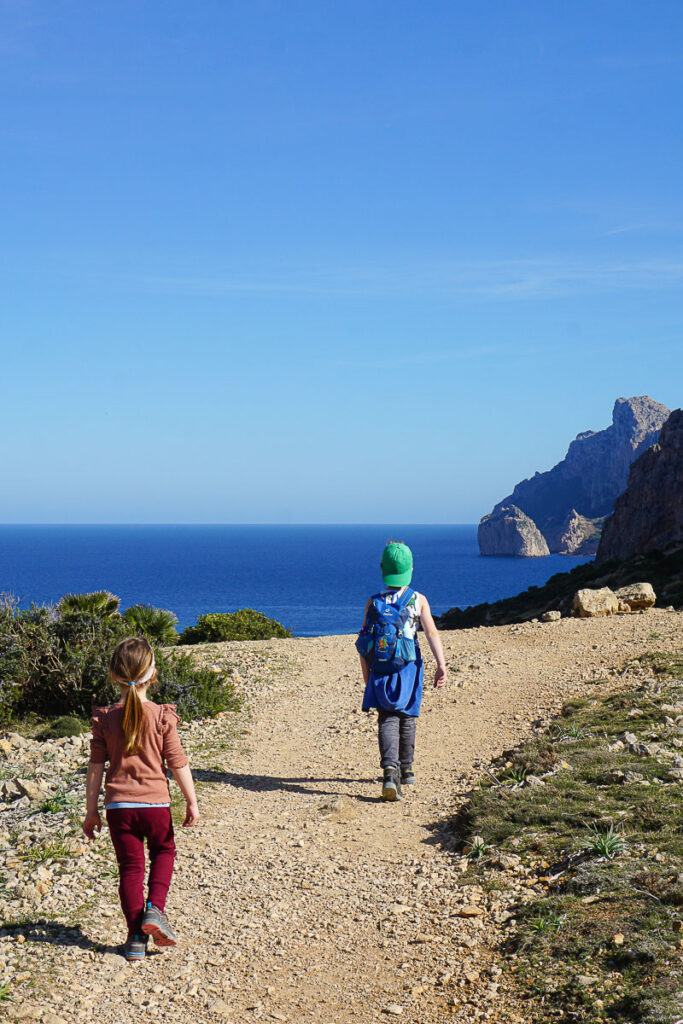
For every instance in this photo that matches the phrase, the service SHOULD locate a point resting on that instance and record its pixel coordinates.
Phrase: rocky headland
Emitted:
(568, 504)
(648, 516)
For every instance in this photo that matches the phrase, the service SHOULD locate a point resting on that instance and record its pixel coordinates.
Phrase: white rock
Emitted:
(595, 603)
(637, 595)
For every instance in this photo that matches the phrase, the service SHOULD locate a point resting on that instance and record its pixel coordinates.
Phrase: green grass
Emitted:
(607, 856)
(49, 849)
(5, 992)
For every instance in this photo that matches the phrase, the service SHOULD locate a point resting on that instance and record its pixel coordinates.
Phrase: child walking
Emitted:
(392, 665)
(137, 737)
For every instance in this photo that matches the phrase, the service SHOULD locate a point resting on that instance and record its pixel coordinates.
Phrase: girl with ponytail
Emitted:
(139, 739)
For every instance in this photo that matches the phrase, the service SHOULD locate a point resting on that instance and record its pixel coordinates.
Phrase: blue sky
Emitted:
(328, 261)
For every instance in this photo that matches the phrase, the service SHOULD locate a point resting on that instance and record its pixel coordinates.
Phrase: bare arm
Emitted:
(93, 784)
(183, 777)
(364, 667)
(434, 641)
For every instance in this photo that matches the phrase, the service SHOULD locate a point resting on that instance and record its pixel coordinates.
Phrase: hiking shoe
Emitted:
(391, 785)
(135, 947)
(407, 777)
(155, 923)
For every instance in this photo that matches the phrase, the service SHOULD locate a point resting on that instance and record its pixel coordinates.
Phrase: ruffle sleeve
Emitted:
(174, 755)
(98, 743)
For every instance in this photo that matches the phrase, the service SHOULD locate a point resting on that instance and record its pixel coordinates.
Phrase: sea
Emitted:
(313, 579)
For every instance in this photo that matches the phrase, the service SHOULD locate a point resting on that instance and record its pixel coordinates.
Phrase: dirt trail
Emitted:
(289, 912)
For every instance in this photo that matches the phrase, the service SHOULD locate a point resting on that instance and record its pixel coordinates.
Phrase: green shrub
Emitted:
(197, 692)
(55, 661)
(65, 725)
(245, 624)
(99, 603)
(156, 624)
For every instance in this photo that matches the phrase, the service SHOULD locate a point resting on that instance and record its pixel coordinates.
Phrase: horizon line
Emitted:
(354, 523)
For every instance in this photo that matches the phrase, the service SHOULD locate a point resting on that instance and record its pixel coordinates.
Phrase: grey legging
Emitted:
(396, 735)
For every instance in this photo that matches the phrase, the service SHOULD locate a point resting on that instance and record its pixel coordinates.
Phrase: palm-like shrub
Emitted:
(100, 603)
(245, 624)
(55, 661)
(155, 624)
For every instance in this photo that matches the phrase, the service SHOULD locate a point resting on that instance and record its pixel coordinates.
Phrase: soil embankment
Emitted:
(295, 905)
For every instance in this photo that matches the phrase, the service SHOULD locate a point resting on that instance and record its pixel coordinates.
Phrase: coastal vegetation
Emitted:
(245, 624)
(589, 811)
(54, 661)
(663, 569)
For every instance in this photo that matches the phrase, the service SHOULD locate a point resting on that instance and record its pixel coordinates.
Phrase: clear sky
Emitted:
(328, 261)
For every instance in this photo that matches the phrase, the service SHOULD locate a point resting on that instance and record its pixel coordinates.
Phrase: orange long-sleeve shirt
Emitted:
(141, 777)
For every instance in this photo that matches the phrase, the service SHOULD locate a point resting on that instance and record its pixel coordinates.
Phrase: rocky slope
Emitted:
(648, 516)
(568, 503)
(663, 570)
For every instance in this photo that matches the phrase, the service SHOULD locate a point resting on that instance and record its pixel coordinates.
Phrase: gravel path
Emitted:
(301, 897)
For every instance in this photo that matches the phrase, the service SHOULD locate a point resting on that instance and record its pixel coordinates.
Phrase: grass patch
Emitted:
(602, 839)
(49, 849)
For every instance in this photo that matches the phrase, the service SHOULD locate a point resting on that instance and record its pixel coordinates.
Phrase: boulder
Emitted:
(507, 531)
(637, 595)
(552, 616)
(589, 604)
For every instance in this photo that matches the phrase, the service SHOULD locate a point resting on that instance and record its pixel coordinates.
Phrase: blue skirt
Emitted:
(398, 691)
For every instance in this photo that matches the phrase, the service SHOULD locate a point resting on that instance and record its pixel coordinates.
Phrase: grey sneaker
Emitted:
(155, 923)
(391, 785)
(407, 777)
(135, 947)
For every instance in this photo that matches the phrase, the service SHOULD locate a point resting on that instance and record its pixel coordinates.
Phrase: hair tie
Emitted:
(145, 678)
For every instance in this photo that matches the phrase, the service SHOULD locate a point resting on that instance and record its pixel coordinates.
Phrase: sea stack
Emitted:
(507, 531)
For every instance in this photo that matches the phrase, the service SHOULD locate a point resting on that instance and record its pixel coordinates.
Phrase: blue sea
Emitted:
(313, 579)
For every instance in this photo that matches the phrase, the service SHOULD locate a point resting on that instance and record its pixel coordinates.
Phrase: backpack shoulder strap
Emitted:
(404, 599)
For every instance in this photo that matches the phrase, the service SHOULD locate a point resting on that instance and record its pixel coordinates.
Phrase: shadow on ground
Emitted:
(53, 933)
(274, 783)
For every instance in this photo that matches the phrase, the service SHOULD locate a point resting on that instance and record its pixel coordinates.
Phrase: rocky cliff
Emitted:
(568, 503)
(648, 516)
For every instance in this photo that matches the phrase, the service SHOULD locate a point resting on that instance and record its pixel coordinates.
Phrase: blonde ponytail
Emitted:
(133, 722)
(132, 663)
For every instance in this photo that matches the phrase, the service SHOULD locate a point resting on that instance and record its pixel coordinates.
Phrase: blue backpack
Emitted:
(382, 641)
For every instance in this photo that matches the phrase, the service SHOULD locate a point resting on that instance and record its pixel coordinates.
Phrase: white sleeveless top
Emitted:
(413, 607)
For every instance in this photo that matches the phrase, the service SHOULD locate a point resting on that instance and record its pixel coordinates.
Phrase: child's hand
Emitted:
(191, 815)
(92, 822)
(440, 676)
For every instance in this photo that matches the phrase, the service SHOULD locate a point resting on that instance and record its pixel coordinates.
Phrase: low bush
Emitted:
(245, 624)
(196, 692)
(55, 661)
(65, 725)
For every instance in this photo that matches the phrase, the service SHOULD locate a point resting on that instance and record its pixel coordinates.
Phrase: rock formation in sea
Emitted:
(648, 516)
(507, 531)
(568, 504)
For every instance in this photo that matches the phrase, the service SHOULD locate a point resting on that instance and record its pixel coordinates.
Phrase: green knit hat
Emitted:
(397, 564)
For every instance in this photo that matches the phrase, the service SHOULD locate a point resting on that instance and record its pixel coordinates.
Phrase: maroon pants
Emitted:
(129, 827)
